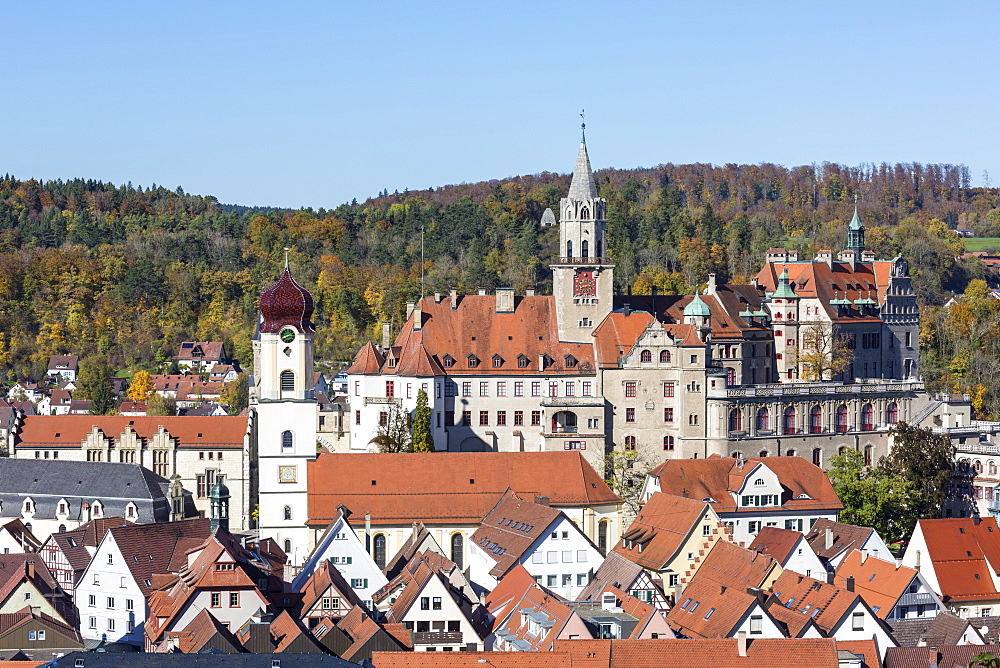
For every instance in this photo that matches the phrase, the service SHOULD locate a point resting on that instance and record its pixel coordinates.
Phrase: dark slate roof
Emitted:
(940, 631)
(47, 481)
(214, 660)
(917, 657)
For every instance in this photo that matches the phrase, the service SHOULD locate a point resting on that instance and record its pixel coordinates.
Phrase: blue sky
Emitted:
(315, 103)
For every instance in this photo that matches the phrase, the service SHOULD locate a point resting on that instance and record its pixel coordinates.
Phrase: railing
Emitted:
(583, 260)
(563, 430)
(805, 389)
(917, 599)
(436, 637)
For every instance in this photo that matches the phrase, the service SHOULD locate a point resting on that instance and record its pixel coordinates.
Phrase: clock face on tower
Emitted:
(287, 335)
(584, 283)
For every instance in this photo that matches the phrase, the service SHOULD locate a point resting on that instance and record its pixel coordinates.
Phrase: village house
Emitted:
(548, 544)
(25, 581)
(893, 591)
(790, 549)
(63, 367)
(67, 554)
(619, 573)
(39, 635)
(524, 616)
(832, 541)
(201, 355)
(327, 595)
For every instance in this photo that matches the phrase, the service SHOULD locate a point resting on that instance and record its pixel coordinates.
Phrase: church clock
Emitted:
(287, 335)
(584, 284)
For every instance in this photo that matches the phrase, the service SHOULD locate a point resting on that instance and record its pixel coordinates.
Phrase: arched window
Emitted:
(668, 442)
(287, 381)
(763, 453)
(378, 550)
(569, 249)
(841, 418)
(992, 467)
(288, 547)
(730, 376)
(458, 549)
(978, 466)
(602, 535)
(645, 356)
(818, 456)
(892, 413)
(816, 420)
(584, 213)
(867, 423)
(869, 452)
(288, 512)
(736, 420)
(763, 419)
(585, 248)
(789, 422)
(790, 452)
(62, 528)
(286, 441)
(630, 443)
(842, 450)
(664, 357)
(737, 454)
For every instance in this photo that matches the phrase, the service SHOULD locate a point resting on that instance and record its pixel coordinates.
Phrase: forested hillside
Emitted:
(102, 270)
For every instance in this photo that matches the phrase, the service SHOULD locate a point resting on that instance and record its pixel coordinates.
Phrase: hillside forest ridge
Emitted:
(122, 274)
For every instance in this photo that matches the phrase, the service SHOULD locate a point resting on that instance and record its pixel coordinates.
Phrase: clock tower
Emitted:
(582, 275)
(286, 413)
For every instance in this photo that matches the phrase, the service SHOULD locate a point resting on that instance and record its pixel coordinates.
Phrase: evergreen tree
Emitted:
(423, 439)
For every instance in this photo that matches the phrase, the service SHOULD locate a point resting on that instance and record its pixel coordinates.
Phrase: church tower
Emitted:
(856, 233)
(582, 275)
(286, 413)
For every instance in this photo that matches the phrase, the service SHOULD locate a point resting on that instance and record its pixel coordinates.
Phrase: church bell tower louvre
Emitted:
(286, 413)
(582, 274)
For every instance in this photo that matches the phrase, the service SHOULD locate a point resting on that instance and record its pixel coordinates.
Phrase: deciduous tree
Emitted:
(423, 437)
(823, 353)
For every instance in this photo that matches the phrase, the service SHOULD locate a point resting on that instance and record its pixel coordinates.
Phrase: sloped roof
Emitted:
(660, 529)
(864, 648)
(418, 362)
(966, 554)
(776, 542)
(825, 282)
(11, 620)
(615, 571)
(539, 601)
(21, 535)
(805, 594)
(941, 630)
(845, 537)
(879, 582)
(58, 362)
(617, 334)
(14, 569)
(707, 609)
(139, 542)
(736, 567)
(718, 478)
(510, 528)
(74, 543)
(199, 350)
(193, 432)
(201, 630)
(447, 488)
(419, 539)
(917, 657)
(325, 577)
(473, 660)
(718, 653)
(582, 186)
(368, 360)
(359, 628)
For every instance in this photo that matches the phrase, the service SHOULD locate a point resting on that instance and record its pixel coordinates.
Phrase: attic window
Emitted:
(449, 361)
(977, 576)
(961, 530)
(473, 361)
(472, 481)
(199, 434)
(150, 557)
(58, 434)
(872, 577)
(473, 338)
(686, 603)
(522, 361)
(497, 361)
(147, 582)
(709, 613)
(570, 361)
(373, 483)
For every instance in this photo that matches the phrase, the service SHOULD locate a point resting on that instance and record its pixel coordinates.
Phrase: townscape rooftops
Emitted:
(615, 571)
(965, 553)
(776, 542)
(660, 529)
(11, 620)
(941, 630)
(324, 578)
(202, 630)
(880, 582)
(735, 567)
(41, 431)
(824, 282)
(716, 652)
(448, 488)
(149, 548)
(919, 657)
(510, 528)
(211, 660)
(74, 543)
(845, 537)
(15, 568)
(805, 485)
(708, 609)
(806, 595)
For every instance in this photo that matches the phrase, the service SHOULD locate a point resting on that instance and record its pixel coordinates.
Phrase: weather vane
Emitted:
(583, 124)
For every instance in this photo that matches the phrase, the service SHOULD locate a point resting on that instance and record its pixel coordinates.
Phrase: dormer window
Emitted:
(497, 361)
(522, 362)
(758, 481)
(449, 361)
(392, 362)
(570, 361)
(473, 361)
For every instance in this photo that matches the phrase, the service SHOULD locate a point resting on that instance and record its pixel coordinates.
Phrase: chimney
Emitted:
(710, 290)
(830, 578)
(505, 300)
(626, 309)
(864, 556)
(828, 542)
(414, 529)
(409, 309)
(541, 500)
(437, 296)
(741, 643)
(932, 659)
(454, 299)
(386, 332)
(850, 583)
(530, 292)
(481, 292)
(30, 568)
(541, 362)
(418, 316)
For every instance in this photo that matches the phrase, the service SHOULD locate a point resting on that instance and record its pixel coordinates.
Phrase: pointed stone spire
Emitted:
(583, 186)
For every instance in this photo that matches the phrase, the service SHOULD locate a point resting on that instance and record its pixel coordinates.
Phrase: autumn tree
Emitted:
(393, 433)
(874, 496)
(625, 473)
(161, 405)
(235, 395)
(141, 386)
(823, 353)
(423, 437)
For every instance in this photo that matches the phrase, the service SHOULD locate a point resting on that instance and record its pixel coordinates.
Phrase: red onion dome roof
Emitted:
(286, 303)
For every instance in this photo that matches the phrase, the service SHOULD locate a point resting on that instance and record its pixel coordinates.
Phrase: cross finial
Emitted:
(286, 256)
(855, 199)
(583, 125)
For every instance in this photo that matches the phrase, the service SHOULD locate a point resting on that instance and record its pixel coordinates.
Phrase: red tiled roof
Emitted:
(719, 478)
(865, 648)
(776, 542)
(825, 282)
(707, 609)
(448, 487)
(191, 432)
(59, 362)
(807, 594)
(717, 653)
(736, 567)
(965, 553)
(879, 582)
(319, 585)
(139, 542)
(368, 360)
(660, 528)
(616, 335)
(510, 528)
(207, 350)
(472, 660)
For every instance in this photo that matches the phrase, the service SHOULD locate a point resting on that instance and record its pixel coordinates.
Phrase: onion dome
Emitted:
(697, 307)
(286, 303)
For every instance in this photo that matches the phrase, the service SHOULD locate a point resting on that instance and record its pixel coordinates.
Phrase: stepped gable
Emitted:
(719, 478)
(286, 303)
(775, 542)
(475, 330)
(39, 431)
(368, 360)
(139, 542)
(448, 488)
(660, 528)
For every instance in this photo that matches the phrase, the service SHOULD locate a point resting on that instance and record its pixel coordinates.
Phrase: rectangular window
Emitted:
(383, 418)
(588, 388)
(234, 599)
(536, 418)
(357, 417)
(553, 389)
(756, 624)
(111, 624)
(501, 418)
(484, 418)
(436, 603)
(858, 621)
(629, 415)
(668, 414)
(357, 388)
(449, 418)
(216, 599)
(129, 605)
(570, 388)
(630, 388)
(111, 603)
(518, 418)
(694, 359)
(536, 389)
(93, 623)
(425, 602)
(581, 579)
(519, 388)
(668, 389)
(450, 388)
(390, 388)
(581, 556)
(93, 601)
(484, 389)
(466, 418)
(409, 390)
(202, 489)
(467, 389)
(502, 388)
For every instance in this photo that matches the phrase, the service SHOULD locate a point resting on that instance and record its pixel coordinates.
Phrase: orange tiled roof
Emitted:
(707, 609)
(368, 360)
(448, 488)
(776, 542)
(736, 567)
(617, 334)
(510, 528)
(965, 553)
(845, 537)
(879, 582)
(718, 653)
(825, 282)
(805, 594)
(660, 528)
(190, 432)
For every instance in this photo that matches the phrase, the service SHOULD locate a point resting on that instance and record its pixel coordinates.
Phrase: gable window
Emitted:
(497, 361)
(756, 624)
(522, 362)
(449, 361)
(664, 357)
(570, 361)
(645, 356)
(858, 621)
(473, 361)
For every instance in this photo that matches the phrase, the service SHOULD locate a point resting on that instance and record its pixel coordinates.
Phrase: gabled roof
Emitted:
(845, 537)
(616, 571)
(818, 280)
(71, 430)
(805, 485)
(776, 542)
(918, 657)
(966, 555)
(203, 629)
(806, 595)
(448, 488)
(881, 583)
(736, 567)
(59, 362)
(359, 628)
(510, 528)
(324, 578)
(368, 360)
(617, 334)
(707, 609)
(139, 542)
(940, 630)
(538, 602)
(199, 350)
(420, 539)
(74, 543)
(660, 529)
(16, 568)
(12, 620)
(21, 535)
(717, 653)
